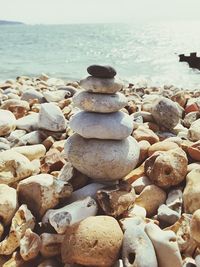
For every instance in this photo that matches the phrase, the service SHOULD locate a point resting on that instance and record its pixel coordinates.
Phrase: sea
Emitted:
(144, 53)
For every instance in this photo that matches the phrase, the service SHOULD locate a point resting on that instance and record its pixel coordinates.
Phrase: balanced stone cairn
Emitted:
(101, 146)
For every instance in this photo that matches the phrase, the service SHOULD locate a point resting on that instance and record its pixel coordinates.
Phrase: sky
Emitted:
(97, 11)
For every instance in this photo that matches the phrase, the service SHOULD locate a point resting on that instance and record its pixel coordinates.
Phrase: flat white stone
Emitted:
(115, 126)
(99, 85)
(102, 103)
(105, 160)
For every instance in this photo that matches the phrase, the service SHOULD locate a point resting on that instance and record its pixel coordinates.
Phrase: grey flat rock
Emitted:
(115, 126)
(99, 102)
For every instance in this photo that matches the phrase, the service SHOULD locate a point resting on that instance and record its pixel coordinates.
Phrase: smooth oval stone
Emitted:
(104, 160)
(7, 122)
(100, 71)
(99, 102)
(33, 94)
(165, 113)
(116, 126)
(98, 85)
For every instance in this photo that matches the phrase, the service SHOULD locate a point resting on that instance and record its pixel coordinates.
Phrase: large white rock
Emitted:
(7, 122)
(55, 96)
(14, 167)
(99, 85)
(31, 152)
(51, 118)
(102, 103)
(28, 123)
(115, 126)
(102, 159)
(31, 93)
(8, 203)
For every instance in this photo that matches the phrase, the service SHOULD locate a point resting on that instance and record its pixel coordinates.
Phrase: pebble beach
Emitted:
(98, 172)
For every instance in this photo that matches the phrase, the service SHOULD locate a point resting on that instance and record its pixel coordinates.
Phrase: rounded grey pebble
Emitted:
(115, 126)
(102, 103)
(98, 85)
(104, 160)
(165, 113)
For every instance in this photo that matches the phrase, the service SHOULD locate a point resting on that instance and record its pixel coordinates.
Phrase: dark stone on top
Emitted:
(100, 71)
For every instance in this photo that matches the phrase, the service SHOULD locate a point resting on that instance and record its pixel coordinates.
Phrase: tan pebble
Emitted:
(134, 174)
(195, 226)
(143, 133)
(151, 198)
(144, 147)
(194, 151)
(50, 244)
(180, 98)
(96, 241)
(14, 167)
(8, 204)
(191, 193)
(7, 122)
(31, 152)
(29, 245)
(192, 166)
(161, 146)
(167, 168)
(22, 220)
(194, 131)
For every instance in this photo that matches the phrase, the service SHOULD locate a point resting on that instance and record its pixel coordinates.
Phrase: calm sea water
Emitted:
(142, 51)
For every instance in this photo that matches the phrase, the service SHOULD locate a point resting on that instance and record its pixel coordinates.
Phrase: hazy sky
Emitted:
(84, 11)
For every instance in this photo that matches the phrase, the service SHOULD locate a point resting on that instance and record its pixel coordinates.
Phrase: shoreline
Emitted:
(138, 82)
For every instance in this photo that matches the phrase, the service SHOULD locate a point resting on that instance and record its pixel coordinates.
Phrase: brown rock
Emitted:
(194, 151)
(191, 193)
(151, 198)
(180, 97)
(53, 161)
(162, 146)
(18, 107)
(167, 168)
(116, 199)
(143, 133)
(144, 147)
(95, 241)
(134, 174)
(50, 244)
(195, 226)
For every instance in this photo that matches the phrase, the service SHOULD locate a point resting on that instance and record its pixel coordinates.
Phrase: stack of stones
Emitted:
(102, 147)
